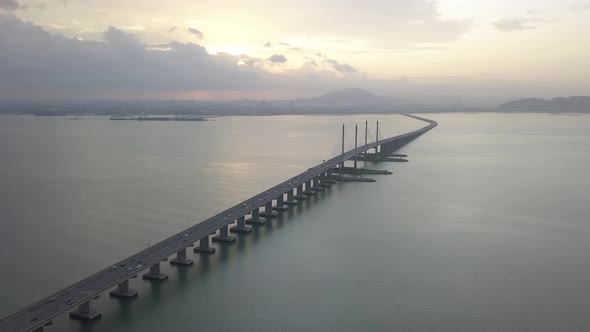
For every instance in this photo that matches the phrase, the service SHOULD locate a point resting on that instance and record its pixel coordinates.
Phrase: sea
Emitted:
(486, 228)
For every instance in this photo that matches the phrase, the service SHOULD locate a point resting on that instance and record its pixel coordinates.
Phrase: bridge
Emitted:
(76, 298)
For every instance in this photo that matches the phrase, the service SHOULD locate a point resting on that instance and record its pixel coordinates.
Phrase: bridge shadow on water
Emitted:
(120, 314)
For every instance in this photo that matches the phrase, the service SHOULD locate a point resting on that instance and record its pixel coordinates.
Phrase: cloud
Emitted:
(511, 24)
(267, 44)
(342, 68)
(12, 5)
(384, 24)
(249, 61)
(36, 64)
(123, 41)
(196, 32)
(277, 58)
(34, 61)
(9, 5)
(173, 28)
(585, 6)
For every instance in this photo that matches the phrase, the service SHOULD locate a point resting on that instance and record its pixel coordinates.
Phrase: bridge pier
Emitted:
(204, 247)
(324, 180)
(281, 204)
(329, 178)
(316, 184)
(181, 259)
(308, 189)
(85, 313)
(123, 291)
(300, 196)
(155, 273)
(241, 226)
(255, 219)
(291, 198)
(268, 212)
(224, 236)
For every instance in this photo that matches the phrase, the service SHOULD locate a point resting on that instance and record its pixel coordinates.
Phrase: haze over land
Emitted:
(446, 54)
(346, 101)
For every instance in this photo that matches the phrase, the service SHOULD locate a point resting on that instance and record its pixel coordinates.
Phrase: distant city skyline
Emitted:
(271, 49)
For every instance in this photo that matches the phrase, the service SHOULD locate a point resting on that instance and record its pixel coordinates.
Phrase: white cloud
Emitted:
(386, 24)
(511, 24)
(581, 6)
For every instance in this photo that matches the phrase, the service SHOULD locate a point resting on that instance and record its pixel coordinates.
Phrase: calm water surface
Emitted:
(486, 228)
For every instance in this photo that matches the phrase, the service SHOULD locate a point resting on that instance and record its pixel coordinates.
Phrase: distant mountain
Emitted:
(576, 104)
(345, 98)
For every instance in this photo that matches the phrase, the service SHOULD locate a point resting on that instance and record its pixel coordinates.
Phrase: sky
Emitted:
(276, 49)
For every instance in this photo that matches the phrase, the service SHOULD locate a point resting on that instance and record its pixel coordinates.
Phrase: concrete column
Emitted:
(181, 259)
(155, 273)
(281, 204)
(316, 184)
(308, 189)
(84, 312)
(255, 219)
(123, 291)
(330, 178)
(224, 236)
(204, 247)
(324, 180)
(268, 212)
(291, 198)
(241, 226)
(300, 196)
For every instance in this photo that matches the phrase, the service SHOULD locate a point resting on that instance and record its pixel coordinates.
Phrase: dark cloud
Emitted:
(34, 61)
(172, 29)
(342, 68)
(12, 5)
(9, 5)
(196, 32)
(249, 61)
(277, 58)
(35, 64)
(267, 44)
(121, 38)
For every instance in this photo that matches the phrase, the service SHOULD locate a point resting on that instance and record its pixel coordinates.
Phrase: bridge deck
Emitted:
(41, 312)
